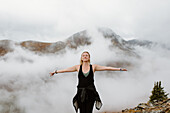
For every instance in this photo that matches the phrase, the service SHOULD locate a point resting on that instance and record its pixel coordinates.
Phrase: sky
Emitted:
(25, 85)
(56, 20)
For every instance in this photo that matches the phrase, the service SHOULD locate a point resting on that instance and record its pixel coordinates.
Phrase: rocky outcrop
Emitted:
(5, 47)
(35, 46)
(41, 47)
(156, 107)
(78, 39)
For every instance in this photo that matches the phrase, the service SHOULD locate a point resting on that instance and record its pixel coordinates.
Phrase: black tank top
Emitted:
(85, 81)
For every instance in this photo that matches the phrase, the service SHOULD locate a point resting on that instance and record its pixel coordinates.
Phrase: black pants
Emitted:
(87, 107)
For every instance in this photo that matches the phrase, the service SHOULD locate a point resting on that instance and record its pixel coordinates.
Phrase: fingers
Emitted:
(51, 74)
(124, 69)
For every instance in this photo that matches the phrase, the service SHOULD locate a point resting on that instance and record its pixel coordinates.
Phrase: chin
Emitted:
(85, 60)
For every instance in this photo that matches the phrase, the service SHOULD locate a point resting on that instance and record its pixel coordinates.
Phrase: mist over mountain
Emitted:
(25, 85)
(75, 41)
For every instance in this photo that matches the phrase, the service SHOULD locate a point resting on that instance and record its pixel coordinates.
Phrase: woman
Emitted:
(86, 92)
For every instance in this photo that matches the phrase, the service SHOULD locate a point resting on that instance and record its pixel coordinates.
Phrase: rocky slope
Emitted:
(5, 47)
(157, 107)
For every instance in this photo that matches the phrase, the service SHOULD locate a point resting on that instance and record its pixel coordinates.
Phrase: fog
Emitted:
(54, 20)
(25, 85)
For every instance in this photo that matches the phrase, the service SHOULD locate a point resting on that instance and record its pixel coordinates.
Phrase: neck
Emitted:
(86, 64)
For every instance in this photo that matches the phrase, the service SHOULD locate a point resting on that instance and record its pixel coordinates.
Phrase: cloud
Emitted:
(25, 84)
(58, 19)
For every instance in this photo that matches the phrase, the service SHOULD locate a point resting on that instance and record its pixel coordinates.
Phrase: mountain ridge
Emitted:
(76, 40)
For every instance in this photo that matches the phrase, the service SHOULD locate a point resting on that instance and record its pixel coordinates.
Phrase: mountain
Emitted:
(74, 42)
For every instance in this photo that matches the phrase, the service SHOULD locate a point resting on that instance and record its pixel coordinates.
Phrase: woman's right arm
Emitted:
(70, 69)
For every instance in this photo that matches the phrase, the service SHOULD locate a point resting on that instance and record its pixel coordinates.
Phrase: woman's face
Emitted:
(85, 57)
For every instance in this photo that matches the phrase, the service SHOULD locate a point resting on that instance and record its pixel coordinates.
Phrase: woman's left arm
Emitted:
(106, 68)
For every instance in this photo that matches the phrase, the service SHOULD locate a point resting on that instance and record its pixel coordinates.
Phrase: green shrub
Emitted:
(158, 94)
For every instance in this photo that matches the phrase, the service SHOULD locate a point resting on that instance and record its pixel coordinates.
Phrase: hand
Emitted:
(124, 69)
(52, 73)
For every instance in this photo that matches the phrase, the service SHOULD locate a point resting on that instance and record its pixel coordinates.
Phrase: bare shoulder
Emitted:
(94, 67)
(77, 67)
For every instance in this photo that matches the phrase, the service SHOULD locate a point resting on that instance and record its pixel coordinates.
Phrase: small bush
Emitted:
(158, 94)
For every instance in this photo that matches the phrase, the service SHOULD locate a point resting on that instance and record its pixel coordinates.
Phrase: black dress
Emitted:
(86, 93)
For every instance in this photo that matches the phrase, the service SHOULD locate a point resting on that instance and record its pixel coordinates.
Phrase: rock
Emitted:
(78, 39)
(157, 107)
(142, 106)
(5, 47)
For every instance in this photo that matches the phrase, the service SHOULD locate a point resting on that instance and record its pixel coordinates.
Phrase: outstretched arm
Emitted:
(70, 69)
(106, 68)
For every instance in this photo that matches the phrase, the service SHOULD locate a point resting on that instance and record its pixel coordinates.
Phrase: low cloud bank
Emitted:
(25, 85)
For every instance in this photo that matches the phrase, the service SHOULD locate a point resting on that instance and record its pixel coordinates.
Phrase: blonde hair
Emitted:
(81, 62)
